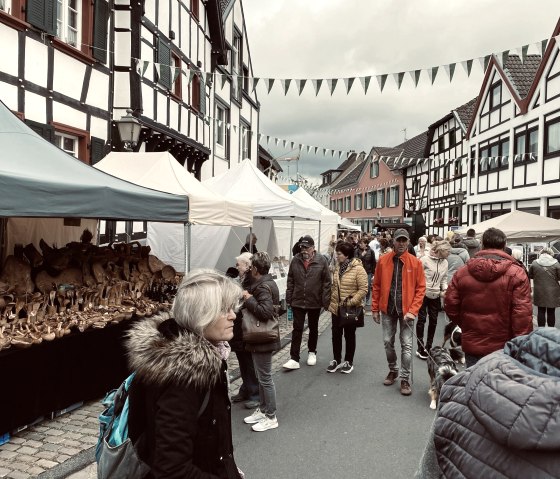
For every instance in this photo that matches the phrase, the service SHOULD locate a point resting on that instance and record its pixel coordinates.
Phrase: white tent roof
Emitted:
(346, 224)
(520, 226)
(161, 171)
(247, 183)
(327, 216)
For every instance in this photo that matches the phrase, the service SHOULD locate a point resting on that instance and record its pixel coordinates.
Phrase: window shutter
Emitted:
(45, 131)
(202, 108)
(164, 60)
(42, 14)
(397, 196)
(100, 30)
(382, 200)
(97, 152)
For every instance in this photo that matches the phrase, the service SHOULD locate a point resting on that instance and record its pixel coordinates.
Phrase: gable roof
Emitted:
(344, 165)
(354, 175)
(412, 151)
(465, 113)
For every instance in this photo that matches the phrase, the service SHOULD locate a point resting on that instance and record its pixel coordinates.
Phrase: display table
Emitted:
(53, 375)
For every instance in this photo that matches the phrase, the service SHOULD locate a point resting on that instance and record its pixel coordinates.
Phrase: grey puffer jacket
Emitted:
(309, 288)
(545, 273)
(457, 257)
(472, 245)
(501, 418)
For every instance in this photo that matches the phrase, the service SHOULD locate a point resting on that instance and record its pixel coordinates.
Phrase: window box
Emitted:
(438, 221)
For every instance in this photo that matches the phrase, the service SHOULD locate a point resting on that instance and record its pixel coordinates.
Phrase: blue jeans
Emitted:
(250, 387)
(389, 324)
(368, 295)
(267, 390)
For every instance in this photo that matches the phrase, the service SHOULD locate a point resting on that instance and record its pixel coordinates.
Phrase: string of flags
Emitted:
(415, 75)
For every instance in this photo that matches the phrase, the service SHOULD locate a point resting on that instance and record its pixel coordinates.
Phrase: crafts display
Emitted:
(43, 296)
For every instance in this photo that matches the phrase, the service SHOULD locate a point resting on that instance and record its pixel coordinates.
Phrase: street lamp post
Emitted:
(459, 198)
(129, 130)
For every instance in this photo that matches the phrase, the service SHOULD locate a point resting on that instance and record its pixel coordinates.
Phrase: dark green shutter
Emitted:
(382, 202)
(42, 15)
(164, 60)
(397, 193)
(97, 150)
(100, 30)
(45, 131)
(202, 97)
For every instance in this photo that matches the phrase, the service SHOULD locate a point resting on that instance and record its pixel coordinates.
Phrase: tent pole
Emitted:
(187, 237)
(292, 239)
(251, 248)
(319, 238)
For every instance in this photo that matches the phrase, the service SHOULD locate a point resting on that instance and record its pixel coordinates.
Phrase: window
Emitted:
(245, 79)
(380, 199)
(347, 204)
(435, 175)
(415, 187)
(73, 141)
(67, 143)
(458, 168)
(245, 142)
(195, 92)
(358, 201)
(494, 156)
(339, 207)
(164, 61)
(221, 120)
(236, 62)
(194, 8)
(176, 73)
(496, 95)
(526, 146)
(67, 21)
(4, 6)
(333, 205)
(393, 199)
(552, 133)
(441, 144)
(483, 159)
(452, 138)
(446, 171)
(370, 198)
(374, 169)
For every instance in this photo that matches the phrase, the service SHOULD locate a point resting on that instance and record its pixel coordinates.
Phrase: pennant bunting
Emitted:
(267, 140)
(276, 141)
(365, 83)
(415, 75)
(300, 85)
(331, 82)
(283, 143)
(234, 128)
(450, 70)
(317, 85)
(315, 148)
(255, 83)
(192, 73)
(381, 79)
(467, 65)
(269, 82)
(224, 78)
(209, 79)
(286, 85)
(308, 149)
(504, 57)
(259, 136)
(542, 47)
(432, 73)
(291, 145)
(176, 72)
(349, 82)
(158, 69)
(398, 79)
(484, 62)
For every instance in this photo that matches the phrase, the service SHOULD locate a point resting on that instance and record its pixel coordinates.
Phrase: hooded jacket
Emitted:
(354, 282)
(309, 288)
(472, 245)
(545, 273)
(175, 368)
(500, 418)
(435, 270)
(458, 256)
(490, 300)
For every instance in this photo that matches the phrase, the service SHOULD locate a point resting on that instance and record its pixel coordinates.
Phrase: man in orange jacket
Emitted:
(397, 294)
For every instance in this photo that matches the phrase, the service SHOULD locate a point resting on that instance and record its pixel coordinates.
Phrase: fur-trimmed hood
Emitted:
(162, 353)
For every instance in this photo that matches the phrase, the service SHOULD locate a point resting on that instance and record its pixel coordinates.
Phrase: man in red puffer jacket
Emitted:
(489, 299)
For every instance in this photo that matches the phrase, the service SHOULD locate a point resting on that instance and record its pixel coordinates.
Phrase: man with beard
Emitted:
(308, 290)
(398, 291)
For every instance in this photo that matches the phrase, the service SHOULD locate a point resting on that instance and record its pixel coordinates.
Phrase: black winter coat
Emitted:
(311, 288)
(261, 304)
(174, 370)
(368, 260)
(236, 342)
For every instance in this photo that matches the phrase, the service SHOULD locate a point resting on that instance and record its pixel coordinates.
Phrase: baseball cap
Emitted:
(401, 233)
(306, 241)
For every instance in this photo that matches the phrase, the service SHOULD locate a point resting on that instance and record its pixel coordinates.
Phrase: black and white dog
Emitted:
(441, 367)
(452, 333)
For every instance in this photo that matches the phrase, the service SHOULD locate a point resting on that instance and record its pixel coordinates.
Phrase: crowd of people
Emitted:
(180, 414)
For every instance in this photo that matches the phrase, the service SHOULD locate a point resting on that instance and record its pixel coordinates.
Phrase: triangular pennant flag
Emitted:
(228, 126)
(291, 145)
(315, 150)
(209, 78)
(398, 79)
(276, 141)
(504, 57)
(381, 79)
(467, 65)
(332, 153)
(484, 62)
(339, 154)
(192, 73)
(325, 151)
(138, 67)
(283, 143)
(286, 85)
(176, 72)
(308, 149)
(255, 83)
(331, 82)
(224, 78)
(524, 51)
(269, 82)
(244, 135)
(415, 75)
(349, 82)
(267, 140)
(450, 70)
(432, 73)
(300, 85)
(158, 69)
(542, 46)
(425, 161)
(259, 136)
(365, 83)
(234, 128)
(317, 85)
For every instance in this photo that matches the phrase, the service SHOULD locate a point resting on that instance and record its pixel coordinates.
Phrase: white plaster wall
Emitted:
(62, 65)
(35, 107)
(98, 92)
(9, 36)
(147, 95)
(174, 115)
(98, 128)
(163, 18)
(122, 90)
(150, 10)
(36, 62)
(69, 116)
(161, 108)
(123, 49)
(122, 18)
(8, 94)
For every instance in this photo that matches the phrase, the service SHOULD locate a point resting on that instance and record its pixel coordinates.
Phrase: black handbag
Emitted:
(349, 315)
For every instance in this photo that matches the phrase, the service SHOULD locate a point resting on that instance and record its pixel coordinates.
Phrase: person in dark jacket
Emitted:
(250, 245)
(471, 243)
(366, 255)
(500, 417)
(489, 299)
(181, 363)
(545, 273)
(261, 300)
(249, 390)
(308, 290)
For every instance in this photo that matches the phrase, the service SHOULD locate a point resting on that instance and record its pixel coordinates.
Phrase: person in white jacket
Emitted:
(435, 269)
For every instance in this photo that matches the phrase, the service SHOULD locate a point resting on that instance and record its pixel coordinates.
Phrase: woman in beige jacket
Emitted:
(350, 283)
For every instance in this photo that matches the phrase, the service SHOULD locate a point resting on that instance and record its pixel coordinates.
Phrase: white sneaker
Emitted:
(255, 417)
(266, 424)
(312, 359)
(291, 364)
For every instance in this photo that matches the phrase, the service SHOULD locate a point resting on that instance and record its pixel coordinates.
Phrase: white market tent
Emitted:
(161, 171)
(521, 227)
(246, 183)
(346, 224)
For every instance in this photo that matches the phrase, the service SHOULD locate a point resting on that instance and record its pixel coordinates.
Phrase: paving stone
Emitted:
(54, 439)
(52, 447)
(70, 451)
(10, 447)
(45, 463)
(62, 458)
(71, 443)
(7, 454)
(19, 475)
(27, 450)
(35, 470)
(46, 454)
(72, 435)
(25, 458)
(55, 432)
(16, 440)
(5, 472)
(19, 466)
(33, 443)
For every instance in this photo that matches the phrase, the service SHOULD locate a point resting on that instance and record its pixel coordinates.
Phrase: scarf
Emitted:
(343, 267)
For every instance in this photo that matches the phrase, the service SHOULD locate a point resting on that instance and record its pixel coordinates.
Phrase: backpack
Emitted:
(115, 454)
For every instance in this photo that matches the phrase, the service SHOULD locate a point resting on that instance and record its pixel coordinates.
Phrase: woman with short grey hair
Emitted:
(261, 299)
(179, 400)
(545, 273)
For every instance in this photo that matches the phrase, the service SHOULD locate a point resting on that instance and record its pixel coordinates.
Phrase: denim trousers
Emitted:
(349, 333)
(297, 333)
(250, 387)
(549, 320)
(368, 295)
(267, 390)
(429, 308)
(389, 324)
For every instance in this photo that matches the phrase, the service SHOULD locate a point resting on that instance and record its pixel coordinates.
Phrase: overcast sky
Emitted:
(344, 38)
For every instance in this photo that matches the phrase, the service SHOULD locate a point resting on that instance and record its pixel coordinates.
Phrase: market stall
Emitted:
(63, 311)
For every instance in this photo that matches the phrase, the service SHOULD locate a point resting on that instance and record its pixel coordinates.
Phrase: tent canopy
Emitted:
(161, 171)
(38, 179)
(246, 183)
(520, 226)
(346, 224)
